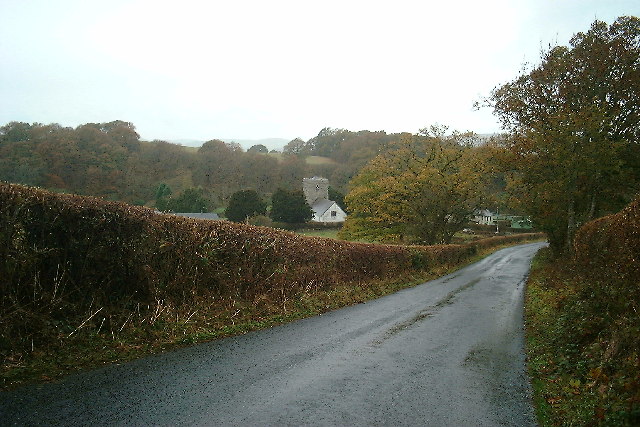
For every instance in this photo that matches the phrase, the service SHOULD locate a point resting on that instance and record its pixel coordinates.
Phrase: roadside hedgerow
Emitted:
(75, 267)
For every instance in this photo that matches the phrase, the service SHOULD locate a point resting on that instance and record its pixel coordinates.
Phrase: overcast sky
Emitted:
(286, 69)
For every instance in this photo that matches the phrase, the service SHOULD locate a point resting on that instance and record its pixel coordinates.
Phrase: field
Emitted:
(329, 233)
(311, 160)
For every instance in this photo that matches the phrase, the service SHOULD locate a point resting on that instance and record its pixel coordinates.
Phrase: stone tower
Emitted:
(315, 188)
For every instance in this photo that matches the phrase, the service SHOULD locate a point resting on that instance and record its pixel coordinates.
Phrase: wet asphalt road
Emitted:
(445, 353)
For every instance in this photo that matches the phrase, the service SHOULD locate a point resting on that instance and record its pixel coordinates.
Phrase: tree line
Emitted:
(110, 160)
(570, 153)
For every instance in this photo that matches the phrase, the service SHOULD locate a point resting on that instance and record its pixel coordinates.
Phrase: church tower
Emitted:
(315, 188)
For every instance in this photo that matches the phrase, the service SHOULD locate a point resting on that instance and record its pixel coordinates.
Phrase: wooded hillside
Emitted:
(109, 160)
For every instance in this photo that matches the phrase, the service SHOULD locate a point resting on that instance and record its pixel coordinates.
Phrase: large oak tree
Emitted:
(422, 190)
(574, 126)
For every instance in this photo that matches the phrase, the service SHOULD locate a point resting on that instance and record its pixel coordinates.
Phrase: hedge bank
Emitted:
(75, 265)
(583, 317)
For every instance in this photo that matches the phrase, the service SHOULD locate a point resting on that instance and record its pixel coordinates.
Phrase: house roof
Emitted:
(484, 212)
(205, 215)
(320, 206)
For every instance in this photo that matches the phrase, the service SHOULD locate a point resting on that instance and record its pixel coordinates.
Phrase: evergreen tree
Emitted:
(337, 197)
(290, 207)
(191, 200)
(163, 190)
(244, 204)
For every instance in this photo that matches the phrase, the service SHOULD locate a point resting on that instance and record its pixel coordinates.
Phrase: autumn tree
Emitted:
(217, 167)
(422, 190)
(18, 161)
(296, 146)
(257, 171)
(328, 141)
(16, 132)
(291, 171)
(574, 129)
(244, 204)
(258, 148)
(290, 207)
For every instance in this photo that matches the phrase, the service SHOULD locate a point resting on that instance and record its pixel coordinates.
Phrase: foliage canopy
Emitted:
(422, 190)
(290, 207)
(574, 123)
(243, 204)
(191, 200)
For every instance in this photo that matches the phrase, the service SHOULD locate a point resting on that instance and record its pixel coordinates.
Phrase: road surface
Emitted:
(445, 353)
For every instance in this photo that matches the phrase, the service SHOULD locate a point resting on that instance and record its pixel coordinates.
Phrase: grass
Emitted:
(459, 238)
(329, 233)
(87, 350)
(319, 160)
(310, 160)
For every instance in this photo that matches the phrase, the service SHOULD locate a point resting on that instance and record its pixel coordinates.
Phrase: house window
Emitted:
(334, 213)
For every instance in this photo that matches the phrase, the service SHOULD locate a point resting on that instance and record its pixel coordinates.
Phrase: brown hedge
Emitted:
(65, 256)
(610, 246)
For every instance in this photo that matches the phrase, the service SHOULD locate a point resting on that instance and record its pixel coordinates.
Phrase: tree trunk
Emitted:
(571, 227)
(594, 196)
(592, 208)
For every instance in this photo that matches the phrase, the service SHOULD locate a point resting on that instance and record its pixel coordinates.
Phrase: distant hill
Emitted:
(270, 143)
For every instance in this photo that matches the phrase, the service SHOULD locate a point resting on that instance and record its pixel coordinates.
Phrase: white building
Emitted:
(316, 192)
(484, 217)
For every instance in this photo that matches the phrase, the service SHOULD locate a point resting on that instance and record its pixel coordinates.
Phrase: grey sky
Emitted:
(258, 69)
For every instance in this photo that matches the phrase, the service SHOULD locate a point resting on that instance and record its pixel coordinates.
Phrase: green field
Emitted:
(311, 160)
(332, 234)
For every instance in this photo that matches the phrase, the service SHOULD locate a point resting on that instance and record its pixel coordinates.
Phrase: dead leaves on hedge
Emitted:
(114, 255)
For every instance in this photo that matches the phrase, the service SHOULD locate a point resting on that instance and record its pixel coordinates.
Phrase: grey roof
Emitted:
(484, 212)
(320, 206)
(205, 215)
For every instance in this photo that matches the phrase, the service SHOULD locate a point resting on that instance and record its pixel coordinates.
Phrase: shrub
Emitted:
(290, 207)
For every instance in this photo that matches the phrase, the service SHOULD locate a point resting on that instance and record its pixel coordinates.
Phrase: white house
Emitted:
(327, 211)
(316, 192)
(484, 217)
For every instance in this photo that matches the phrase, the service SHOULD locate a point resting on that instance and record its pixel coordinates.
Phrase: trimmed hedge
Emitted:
(66, 257)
